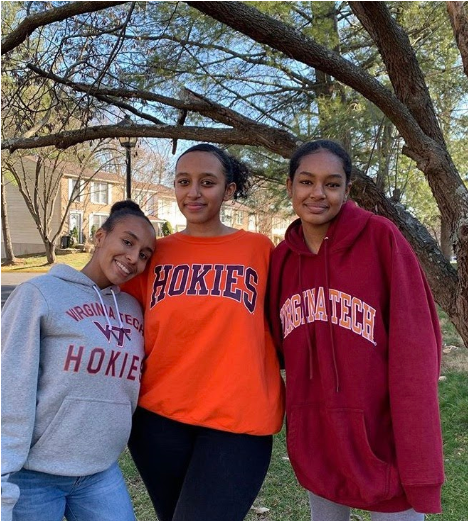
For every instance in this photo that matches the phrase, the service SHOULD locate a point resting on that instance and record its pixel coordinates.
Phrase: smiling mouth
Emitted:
(123, 268)
(316, 208)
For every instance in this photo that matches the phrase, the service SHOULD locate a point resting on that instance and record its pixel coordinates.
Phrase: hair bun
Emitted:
(125, 205)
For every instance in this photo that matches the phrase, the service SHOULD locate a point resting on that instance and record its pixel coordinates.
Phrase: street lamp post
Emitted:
(128, 143)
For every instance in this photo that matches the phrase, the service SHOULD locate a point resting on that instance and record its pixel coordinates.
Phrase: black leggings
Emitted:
(196, 473)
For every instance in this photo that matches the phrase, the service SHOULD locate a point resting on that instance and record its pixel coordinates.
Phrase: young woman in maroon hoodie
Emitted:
(355, 320)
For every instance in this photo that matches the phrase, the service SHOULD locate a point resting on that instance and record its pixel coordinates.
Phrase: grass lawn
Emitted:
(280, 494)
(287, 501)
(38, 263)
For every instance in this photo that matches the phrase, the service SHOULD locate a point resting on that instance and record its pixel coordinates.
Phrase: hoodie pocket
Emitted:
(332, 457)
(84, 437)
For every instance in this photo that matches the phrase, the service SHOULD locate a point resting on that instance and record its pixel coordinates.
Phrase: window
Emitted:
(150, 206)
(239, 217)
(226, 215)
(252, 222)
(96, 220)
(166, 209)
(75, 189)
(100, 193)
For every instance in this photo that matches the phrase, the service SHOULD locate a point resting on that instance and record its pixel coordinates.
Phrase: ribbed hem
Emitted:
(425, 499)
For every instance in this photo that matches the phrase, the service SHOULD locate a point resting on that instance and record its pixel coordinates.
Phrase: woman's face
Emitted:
(319, 189)
(200, 188)
(122, 253)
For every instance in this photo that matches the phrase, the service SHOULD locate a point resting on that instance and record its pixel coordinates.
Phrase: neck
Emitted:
(202, 230)
(313, 237)
(91, 271)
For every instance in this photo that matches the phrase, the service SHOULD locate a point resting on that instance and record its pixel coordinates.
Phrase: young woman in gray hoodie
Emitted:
(72, 348)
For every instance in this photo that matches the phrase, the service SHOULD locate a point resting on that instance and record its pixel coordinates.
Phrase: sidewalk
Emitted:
(13, 279)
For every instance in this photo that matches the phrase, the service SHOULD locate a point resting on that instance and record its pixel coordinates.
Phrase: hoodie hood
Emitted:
(342, 233)
(69, 274)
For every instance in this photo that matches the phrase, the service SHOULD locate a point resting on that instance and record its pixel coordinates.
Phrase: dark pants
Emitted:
(195, 473)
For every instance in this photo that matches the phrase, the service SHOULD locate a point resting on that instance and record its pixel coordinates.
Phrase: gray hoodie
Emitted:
(71, 363)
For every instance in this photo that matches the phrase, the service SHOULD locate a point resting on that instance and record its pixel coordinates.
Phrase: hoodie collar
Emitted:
(69, 274)
(343, 231)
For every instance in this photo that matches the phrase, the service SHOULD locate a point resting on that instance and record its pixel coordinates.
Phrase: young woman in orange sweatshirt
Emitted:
(212, 393)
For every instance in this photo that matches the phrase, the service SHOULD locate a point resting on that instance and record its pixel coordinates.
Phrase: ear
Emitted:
(348, 189)
(289, 187)
(229, 192)
(99, 236)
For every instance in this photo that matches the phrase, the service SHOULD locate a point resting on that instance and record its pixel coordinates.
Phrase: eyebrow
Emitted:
(203, 173)
(311, 174)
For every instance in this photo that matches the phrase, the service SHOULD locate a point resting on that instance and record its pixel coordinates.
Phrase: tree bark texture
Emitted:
(459, 21)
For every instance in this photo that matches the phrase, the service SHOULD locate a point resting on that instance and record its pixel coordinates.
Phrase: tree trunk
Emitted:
(445, 243)
(9, 253)
(50, 251)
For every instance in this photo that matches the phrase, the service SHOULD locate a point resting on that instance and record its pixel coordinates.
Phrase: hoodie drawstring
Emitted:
(117, 308)
(96, 289)
(304, 314)
(330, 325)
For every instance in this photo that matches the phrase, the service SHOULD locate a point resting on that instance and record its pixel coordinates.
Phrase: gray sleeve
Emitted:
(22, 316)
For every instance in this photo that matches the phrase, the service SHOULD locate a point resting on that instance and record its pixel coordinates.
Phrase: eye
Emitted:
(207, 182)
(143, 255)
(333, 185)
(182, 182)
(305, 182)
(127, 242)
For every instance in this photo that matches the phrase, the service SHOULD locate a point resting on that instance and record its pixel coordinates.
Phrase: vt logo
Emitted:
(117, 332)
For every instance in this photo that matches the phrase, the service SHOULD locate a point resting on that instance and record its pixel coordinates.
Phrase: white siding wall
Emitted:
(23, 231)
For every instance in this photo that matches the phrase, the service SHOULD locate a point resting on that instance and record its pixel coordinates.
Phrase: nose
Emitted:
(317, 191)
(133, 255)
(194, 190)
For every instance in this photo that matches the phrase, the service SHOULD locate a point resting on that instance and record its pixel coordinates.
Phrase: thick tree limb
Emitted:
(265, 29)
(401, 63)
(67, 139)
(459, 21)
(29, 24)
(365, 192)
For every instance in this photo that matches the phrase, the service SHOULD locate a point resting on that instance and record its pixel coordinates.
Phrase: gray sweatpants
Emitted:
(323, 510)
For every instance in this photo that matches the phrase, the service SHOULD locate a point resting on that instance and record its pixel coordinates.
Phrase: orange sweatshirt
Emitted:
(210, 359)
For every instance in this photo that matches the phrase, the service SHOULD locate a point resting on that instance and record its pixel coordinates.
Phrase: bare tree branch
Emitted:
(265, 29)
(191, 101)
(29, 24)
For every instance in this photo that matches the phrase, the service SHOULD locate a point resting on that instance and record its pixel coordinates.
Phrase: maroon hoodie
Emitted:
(360, 336)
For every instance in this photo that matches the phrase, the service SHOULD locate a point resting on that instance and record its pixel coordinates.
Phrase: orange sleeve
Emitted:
(137, 286)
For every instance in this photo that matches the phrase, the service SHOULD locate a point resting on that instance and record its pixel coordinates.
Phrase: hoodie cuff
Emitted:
(425, 499)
